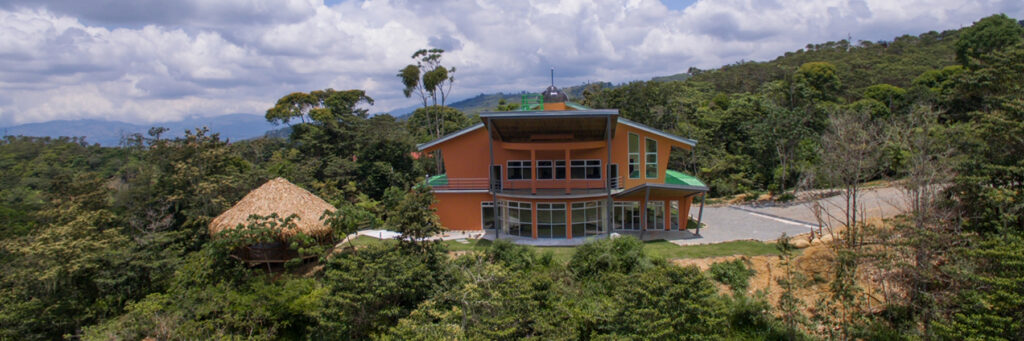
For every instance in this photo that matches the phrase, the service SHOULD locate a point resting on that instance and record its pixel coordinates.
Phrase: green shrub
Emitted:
(751, 318)
(622, 255)
(515, 257)
(734, 273)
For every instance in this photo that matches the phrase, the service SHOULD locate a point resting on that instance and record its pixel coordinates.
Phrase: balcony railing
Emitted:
(462, 184)
(499, 185)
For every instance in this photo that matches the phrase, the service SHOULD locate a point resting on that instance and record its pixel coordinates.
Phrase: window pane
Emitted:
(526, 173)
(543, 231)
(560, 172)
(558, 231)
(544, 173)
(487, 213)
(558, 216)
(634, 143)
(578, 230)
(578, 173)
(651, 159)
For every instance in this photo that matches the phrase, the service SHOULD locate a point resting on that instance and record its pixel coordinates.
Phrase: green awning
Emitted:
(438, 180)
(679, 178)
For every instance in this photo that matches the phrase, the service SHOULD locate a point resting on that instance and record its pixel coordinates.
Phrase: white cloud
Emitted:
(147, 62)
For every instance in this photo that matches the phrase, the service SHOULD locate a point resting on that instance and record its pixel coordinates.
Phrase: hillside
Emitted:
(858, 65)
(108, 133)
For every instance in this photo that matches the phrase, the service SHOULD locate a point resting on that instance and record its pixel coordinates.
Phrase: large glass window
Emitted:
(655, 215)
(550, 220)
(520, 219)
(634, 156)
(627, 215)
(586, 169)
(651, 159)
(519, 170)
(548, 169)
(487, 214)
(586, 218)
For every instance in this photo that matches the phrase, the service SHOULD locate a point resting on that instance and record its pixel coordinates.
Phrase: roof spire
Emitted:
(552, 76)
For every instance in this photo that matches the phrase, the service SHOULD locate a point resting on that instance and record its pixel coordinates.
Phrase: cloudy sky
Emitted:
(146, 61)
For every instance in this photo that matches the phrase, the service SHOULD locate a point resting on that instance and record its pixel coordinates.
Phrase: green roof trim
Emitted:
(680, 178)
(438, 180)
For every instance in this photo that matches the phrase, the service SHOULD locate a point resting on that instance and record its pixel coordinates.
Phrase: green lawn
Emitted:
(655, 248)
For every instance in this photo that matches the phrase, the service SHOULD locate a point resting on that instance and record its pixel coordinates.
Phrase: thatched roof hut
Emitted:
(284, 198)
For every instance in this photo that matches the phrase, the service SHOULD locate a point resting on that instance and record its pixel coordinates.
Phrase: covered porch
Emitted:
(679, 190)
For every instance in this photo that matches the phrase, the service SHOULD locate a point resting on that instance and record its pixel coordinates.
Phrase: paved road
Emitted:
(728, 223)
(767, 223)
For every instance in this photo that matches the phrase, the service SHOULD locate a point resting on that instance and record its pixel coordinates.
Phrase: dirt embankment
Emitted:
(814, 264)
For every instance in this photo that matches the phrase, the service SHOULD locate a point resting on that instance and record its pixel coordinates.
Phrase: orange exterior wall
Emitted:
(620, 154)
(460, 211)
(468, 156)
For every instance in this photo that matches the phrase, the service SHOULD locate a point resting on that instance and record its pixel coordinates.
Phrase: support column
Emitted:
(533, 219)
(568, 174)
(533, 171)
(568, 220)
(668, 215)
(607, 175)
(683, 213)
(643, 209)
(491, 181)
(700, 214)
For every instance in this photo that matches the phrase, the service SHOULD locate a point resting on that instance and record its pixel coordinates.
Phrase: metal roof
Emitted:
(637, 190)
(549, 114)
(453, 135)
(683, 140)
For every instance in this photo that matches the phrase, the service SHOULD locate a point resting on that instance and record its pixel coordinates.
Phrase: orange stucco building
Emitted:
(559, 170)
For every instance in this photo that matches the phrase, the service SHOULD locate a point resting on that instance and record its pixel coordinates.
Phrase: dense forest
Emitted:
(112, 243)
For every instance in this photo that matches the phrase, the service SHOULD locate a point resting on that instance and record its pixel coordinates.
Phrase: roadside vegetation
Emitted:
(112, 243)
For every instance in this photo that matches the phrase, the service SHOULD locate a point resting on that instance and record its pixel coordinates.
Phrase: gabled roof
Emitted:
(683, 140)
(453, 135)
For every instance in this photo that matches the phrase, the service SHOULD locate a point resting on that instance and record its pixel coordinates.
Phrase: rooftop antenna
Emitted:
(552, 76)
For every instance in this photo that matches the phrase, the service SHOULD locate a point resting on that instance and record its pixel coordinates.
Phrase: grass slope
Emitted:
(654, 248)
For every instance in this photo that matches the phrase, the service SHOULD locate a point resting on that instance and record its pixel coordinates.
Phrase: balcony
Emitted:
(578, 186)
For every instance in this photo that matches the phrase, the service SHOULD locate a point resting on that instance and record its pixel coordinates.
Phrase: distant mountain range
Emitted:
(236, 127)
(108, 133)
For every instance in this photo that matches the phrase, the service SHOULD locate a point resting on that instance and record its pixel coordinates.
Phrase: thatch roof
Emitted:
(281, 197)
